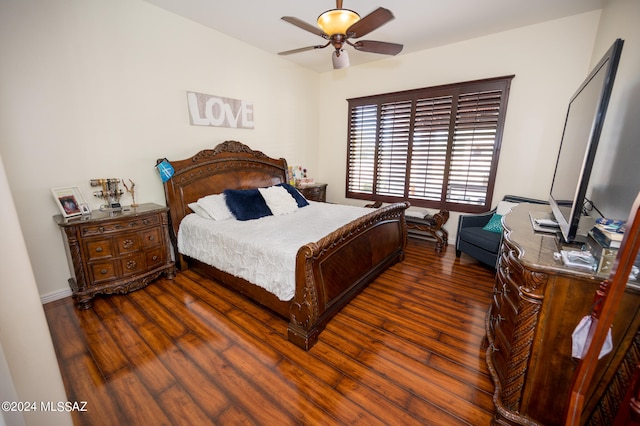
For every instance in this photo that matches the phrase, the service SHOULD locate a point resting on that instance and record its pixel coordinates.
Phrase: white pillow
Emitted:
(505, 207)
(197, 209)
(279, 200)
(216, 206)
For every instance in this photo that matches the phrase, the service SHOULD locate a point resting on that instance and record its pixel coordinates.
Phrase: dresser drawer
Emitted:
(128, 243)
(155, 257)
(151, 237)
(133, 264)
(102, 272)
(107, 227)
(99, 249)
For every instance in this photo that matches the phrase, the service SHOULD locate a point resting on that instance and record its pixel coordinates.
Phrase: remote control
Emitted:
(547, 222)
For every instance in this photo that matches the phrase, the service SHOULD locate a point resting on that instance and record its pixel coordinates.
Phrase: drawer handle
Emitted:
(132, 224)
(146, 221)
(151, 237)
(127, 244)
(99, 249)
(154, 258)
(493, 348)
(101, 228)
(103, 271)
(496, 291)
(131, 264)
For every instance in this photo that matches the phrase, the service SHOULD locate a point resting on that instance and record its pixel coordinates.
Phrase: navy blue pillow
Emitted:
(246, 204)
(295, 194)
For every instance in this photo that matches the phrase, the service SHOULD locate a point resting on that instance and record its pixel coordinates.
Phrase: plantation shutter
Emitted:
(393, 146)
(473, 147)
(435, 147)
(362, 149)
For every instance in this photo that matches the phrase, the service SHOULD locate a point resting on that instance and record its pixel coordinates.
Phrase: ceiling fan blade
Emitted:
(303, 49)
(305, 26)
(381, 47)
(371, 22)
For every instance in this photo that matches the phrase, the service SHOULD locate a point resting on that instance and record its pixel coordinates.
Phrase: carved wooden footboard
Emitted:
(332, 271)
(329, 273)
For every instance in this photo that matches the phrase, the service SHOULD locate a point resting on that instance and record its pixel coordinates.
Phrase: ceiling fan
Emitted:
(340, 25)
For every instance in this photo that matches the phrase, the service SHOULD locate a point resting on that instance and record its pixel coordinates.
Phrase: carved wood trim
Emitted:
(605, 412)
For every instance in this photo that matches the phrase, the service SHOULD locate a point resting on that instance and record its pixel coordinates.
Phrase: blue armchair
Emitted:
(478, 243)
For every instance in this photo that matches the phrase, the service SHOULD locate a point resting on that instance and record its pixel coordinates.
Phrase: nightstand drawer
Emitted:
(315, 192)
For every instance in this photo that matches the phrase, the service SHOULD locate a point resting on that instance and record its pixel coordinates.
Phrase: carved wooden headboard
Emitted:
(230, 165)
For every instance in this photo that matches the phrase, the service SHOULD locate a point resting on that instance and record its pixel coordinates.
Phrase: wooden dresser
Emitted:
(314, 192)
(116, 252)
(537, 303)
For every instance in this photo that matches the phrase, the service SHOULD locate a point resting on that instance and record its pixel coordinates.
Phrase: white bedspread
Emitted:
(262, 251)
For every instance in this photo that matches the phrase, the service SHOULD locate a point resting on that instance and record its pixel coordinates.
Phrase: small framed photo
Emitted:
(70, 201)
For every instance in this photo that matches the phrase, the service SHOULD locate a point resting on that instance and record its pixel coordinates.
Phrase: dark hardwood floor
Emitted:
(408, 350)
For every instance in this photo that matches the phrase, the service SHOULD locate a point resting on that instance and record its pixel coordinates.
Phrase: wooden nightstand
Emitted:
(314, 192)
(116, 252)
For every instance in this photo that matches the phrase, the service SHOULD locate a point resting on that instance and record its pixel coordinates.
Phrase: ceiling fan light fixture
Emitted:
(341, 61)
(337, 21)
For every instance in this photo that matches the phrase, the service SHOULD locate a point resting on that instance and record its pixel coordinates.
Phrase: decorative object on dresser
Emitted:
(70, 201)
(131, 189)
(109, 192)
(314, 192)
(537, 303)
(116, 252)
(479, 235)
(326, 273)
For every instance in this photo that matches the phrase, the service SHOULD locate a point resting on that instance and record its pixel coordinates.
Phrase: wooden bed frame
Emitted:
(329, 272)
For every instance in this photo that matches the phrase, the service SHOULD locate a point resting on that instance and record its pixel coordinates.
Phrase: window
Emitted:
(436, 147)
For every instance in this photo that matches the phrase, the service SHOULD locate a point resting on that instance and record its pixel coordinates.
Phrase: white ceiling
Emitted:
(418, 24)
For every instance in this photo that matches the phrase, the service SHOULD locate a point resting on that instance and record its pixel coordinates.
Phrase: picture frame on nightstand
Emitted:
(70, 201)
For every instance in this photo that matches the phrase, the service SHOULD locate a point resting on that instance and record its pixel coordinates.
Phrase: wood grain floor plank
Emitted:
(409, 349)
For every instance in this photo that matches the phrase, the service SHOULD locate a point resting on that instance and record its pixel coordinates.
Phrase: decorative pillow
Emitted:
(295, 194)
(505, 207)
(279, 200)
(215, 206)
(494, 224)
(246, 204)
(197, 209)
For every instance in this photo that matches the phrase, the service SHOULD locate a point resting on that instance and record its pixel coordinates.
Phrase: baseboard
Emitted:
(56, 295)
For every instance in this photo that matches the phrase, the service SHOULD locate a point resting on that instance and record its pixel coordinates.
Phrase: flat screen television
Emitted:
(580, 137)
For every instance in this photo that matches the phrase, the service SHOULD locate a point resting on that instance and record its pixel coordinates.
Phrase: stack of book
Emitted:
(608, 232)
(604, 241)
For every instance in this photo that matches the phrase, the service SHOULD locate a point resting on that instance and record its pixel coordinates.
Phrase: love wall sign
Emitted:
(210, 110)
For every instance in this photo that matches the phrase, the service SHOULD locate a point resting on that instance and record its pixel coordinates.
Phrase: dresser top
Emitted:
(98, 215)
(537, 248)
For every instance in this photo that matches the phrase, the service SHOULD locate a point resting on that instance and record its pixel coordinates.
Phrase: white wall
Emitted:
(26, 349)
(549, 61)
(97, 89)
